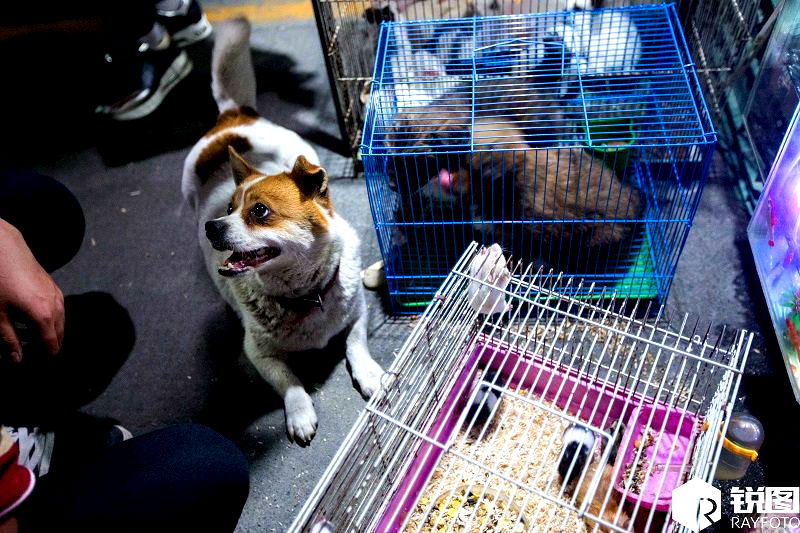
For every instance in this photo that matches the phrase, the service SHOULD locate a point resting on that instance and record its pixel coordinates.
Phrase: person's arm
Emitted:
(26, 292)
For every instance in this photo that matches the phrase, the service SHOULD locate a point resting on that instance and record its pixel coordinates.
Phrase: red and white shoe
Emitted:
(28, 452)
(80, 437)
(16, 481)
(35, 448)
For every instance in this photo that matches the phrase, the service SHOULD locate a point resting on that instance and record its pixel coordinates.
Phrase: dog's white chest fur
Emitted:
(300, 325)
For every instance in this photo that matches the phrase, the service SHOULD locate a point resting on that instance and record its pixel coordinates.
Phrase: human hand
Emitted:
(26, 292)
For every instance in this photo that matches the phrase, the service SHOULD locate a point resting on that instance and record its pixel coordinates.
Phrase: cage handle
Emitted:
(521, 40)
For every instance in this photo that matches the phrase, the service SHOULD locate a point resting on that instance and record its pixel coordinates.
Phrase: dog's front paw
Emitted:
(368, 377)
(301, 419)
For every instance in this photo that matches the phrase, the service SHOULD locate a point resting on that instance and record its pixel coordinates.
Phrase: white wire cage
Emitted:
(547, 414)
(724, 38)
(720, 34)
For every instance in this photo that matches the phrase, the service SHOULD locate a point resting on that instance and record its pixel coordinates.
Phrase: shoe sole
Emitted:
(192, 33)
(180, 68)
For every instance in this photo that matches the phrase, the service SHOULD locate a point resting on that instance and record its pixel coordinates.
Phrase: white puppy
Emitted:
(277, 251)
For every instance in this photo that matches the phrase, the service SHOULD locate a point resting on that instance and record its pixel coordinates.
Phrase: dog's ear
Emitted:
(241, 168)
(312, 179)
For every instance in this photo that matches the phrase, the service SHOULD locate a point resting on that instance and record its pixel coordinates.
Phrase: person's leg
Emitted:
(46, 213)
(181, 478)
(144, 60)
(98, 337)
(183, 20)
(131, 23)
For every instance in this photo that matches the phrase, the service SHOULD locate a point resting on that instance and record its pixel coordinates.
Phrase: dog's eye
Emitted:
(259, 210)
(230, 208)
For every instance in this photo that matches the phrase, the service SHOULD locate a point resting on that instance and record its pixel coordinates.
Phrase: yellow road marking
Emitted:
(264, 11)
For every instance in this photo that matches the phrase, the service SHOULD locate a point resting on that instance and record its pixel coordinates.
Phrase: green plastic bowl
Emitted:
(610, 140)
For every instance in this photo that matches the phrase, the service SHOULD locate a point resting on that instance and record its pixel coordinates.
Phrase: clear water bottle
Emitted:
(740, 447)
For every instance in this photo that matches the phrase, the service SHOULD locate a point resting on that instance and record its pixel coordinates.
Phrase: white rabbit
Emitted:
(419, 76)
(489, 266)
(573, 5)
(615, 44)
(518, 7)
(601, 42)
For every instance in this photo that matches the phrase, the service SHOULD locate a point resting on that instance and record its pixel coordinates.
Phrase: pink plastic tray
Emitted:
(542, 378)
(666, 453)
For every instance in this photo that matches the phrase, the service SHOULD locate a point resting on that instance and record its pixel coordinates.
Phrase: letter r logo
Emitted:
(696, 505)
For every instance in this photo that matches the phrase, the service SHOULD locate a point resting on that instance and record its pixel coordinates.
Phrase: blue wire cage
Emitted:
(579, 141)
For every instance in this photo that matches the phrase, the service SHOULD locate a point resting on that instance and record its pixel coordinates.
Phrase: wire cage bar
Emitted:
(555, 414)
(753, 128)
(349, 29)
(578, 140)
(721, 36)
(724, 37)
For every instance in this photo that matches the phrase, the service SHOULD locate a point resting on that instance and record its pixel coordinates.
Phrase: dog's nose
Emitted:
(215, 231)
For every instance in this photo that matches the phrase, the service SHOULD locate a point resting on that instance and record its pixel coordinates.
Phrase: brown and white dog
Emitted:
(273, 244)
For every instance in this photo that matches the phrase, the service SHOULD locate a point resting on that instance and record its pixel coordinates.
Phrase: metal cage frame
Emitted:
(721, 34)
(572, 359)
(515, 177)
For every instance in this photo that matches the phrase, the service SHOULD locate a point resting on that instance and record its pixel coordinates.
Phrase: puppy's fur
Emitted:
(272, 241)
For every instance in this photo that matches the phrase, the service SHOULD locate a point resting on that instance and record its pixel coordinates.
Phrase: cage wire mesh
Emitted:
(727, 39)
(720, 34)
(556, 414)
(589, 164)
(754, 136)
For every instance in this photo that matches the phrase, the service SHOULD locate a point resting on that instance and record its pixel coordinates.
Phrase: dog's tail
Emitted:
(233, 80)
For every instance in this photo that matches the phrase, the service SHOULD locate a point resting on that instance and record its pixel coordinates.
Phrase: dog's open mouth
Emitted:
(241, 262)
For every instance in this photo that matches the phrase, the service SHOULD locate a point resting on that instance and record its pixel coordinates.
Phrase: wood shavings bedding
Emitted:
(523, 443)
(606, 345)
(555, 335)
